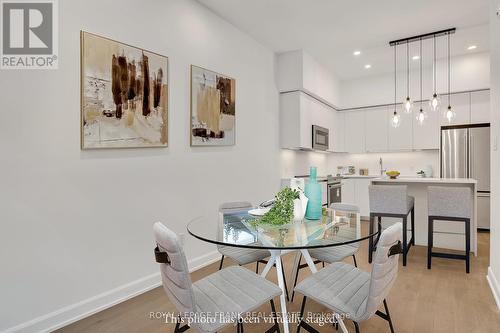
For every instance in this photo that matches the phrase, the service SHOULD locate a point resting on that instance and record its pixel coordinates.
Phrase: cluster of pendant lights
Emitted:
(434, 101)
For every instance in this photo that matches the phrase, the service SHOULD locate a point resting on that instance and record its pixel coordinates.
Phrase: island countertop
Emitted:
(426, 180)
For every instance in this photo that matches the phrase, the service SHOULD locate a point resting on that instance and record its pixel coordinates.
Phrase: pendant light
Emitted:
(421, 114)
(434, 102)
(450, 113)
(395, 119)
(407, 104)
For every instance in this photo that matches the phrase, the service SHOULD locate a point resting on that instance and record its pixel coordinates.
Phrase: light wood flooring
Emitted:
(444, 299)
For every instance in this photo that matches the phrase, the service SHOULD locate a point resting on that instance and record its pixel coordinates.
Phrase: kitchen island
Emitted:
(447, 234)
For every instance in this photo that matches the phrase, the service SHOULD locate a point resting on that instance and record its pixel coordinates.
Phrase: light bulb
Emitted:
(395, 120)
(450, 114)
(421, 117)
(434, 102)
(407, 105)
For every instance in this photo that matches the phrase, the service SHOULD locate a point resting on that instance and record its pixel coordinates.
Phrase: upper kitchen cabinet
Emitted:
(298, 113)
(480, 107)
(401, 138)
(338, 132)
(426, 135)
(376, 128)
(355, 132)
(460, 103)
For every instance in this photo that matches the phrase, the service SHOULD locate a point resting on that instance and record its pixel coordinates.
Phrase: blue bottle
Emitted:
(313, 193)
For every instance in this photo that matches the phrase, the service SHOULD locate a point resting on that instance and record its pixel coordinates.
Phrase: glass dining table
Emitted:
(243, 230)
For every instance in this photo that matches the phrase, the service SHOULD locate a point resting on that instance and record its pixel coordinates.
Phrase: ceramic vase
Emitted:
(313, 194)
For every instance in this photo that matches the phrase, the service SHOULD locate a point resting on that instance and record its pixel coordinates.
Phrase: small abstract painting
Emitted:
(124, 95)
(212, 108)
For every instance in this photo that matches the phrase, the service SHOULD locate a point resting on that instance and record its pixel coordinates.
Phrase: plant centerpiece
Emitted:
(282, 211)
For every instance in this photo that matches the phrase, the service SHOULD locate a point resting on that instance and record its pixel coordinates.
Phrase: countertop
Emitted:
(426, 180)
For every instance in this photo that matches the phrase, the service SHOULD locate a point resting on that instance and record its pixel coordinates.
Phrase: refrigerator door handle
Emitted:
(466, 160)
(471, 156)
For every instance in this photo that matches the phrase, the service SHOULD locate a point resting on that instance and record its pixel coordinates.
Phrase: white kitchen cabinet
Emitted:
(480, 107)
(355, 132)
(338, 134)
(401, 138)
(324, 193)
(460, 103)
(349, 191)
(376, 128)
(426, 135)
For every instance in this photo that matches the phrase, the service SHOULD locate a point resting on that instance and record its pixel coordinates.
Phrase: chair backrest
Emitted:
(389, 199)
(175, 275)
(449, 201)
(384, 269)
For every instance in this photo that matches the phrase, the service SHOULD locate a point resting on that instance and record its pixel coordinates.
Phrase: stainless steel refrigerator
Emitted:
(465, 153)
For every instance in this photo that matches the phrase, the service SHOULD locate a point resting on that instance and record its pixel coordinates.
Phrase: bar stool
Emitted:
(391, 201)
(449, 204)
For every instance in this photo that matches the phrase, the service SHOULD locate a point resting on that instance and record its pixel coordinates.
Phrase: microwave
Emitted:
(319, 138)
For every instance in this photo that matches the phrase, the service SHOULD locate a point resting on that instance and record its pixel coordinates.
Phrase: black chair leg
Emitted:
(430, 234)
(354, 258)
(284, 280)
(413, 226)
(370, 241)
(257, 267)
(356, 326)
(467, 246)
(302, 307)
(296, 277)
(178, 328)
(388, 316)
(405, 244)
(221, 262)
(276, 327)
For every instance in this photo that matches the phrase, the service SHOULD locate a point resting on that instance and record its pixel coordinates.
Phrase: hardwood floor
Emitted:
(444, 299)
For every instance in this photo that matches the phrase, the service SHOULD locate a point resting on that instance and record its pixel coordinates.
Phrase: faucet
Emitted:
(382, 170)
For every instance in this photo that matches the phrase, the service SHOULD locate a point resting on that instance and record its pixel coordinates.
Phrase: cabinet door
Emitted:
(324, 193)
(355, 131)
(426, 135)
(461, 104)
(362, 197)
(401, 138)
(348, 191)
(376, 127)
(480, 107)
(338, 134)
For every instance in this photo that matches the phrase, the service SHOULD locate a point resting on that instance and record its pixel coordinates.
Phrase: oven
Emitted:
(320, 138)
(334, 190)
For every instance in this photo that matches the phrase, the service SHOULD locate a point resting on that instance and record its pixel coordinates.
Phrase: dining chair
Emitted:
(334, 253)
(215, 301)
(242, 256)
(351, 292)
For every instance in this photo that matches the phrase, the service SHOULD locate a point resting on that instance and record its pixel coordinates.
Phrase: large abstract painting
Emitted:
(212, 108)
(124, 95)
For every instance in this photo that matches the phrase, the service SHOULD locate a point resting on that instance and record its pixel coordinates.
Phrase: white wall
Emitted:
(494, 270)
(77, 224)
(469, 72)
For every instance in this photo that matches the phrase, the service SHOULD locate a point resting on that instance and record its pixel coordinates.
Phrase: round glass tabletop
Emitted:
(240, 229)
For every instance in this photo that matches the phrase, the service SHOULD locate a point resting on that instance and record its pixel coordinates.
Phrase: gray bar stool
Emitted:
(391, 201)
(449, 204)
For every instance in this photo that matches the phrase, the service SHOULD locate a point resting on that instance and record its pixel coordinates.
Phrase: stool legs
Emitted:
(430, 241)
(405, 245)
(467, 246)
(370, 241)
(413, 226)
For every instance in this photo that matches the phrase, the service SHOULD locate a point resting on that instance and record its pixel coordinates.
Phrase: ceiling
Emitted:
(331, 30)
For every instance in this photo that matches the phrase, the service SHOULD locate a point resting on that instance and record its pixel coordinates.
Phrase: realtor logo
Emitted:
(29, 34)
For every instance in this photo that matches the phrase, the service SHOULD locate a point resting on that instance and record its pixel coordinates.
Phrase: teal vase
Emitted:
(313, 193)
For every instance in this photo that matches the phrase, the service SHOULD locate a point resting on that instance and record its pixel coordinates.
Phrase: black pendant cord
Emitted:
(407, 70)
(421, 89)
(449, 73)
(434, 67)
(395, 79)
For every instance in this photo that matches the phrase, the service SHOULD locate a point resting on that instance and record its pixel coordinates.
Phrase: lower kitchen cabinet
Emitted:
(355, 191)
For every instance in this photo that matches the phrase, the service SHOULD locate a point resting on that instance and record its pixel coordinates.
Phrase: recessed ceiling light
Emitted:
(416, 57)
(357, 53)
(368, 66)
(472, 47)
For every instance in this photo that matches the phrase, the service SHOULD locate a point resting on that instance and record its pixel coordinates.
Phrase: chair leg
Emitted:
(257, 267)
(370, 241)
(356, 326)
(388, 316)
(467, 246)
(413, 226)
(284, 280)
(430, 234)
(276, 327)
(354, 258)
(221, 262)
(302, 307)
(178, 328)
(296, 277)
(405, 245)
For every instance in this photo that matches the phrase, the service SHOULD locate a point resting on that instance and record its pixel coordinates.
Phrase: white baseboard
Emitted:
(92, 305)
(494, 285)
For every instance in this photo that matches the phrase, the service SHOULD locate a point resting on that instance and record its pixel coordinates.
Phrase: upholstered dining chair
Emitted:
(351, 292)
(215, 301)
(335, 253)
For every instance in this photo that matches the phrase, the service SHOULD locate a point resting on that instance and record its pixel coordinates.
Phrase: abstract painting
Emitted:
(124, 95)
(212, 108)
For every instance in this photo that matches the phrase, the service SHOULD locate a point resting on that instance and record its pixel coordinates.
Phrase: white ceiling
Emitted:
(330, 30)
